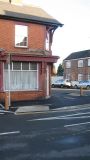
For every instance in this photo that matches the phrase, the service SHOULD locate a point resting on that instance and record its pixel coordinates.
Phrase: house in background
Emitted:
(26, 59)
(77, 66)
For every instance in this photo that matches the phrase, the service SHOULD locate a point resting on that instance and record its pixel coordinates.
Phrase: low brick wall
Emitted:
(20, 96)
(26, 95)
(2, 96)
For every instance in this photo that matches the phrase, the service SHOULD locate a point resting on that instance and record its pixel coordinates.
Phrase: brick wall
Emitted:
(36, 35)
(36, 40)
(75, 70)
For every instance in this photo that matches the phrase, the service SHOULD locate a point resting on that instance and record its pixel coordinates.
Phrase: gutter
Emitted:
(32, 19)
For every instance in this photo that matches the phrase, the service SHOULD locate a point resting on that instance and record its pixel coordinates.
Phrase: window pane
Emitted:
(21, 35)
(6, 80)
(16, 78)
(47, 41)
(80, 77)
(33, 66)
(25, 66)
(88, 62)
(68, 64)
(88, 76)
(80, 63)
(16, 66)
(5, 65)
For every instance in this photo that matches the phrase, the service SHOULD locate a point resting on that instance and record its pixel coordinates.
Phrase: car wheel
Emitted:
(53, 86)
(75, 86)
(61, 85)
(88, 87)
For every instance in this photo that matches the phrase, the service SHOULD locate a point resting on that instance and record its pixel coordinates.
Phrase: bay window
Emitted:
(23, 76)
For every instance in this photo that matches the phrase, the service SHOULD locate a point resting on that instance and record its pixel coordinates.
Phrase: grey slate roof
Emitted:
(77, 55)
(27, 13)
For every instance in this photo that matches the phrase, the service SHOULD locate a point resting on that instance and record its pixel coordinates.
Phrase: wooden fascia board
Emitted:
(55, 25)
(28, 58)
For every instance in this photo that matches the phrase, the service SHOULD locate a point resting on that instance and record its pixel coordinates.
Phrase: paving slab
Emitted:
(37, 108)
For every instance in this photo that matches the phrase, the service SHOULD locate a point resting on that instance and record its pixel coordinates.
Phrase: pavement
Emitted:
(32, 106)
(29, 109)
(58, 100)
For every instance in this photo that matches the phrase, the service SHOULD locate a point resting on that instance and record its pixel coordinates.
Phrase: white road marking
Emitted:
(43, 119)
(7, 133)
(57, 118)
(73, 108)
(76, 114)
(70, 116)
(1, 113)
(76, 124)
(76, 117)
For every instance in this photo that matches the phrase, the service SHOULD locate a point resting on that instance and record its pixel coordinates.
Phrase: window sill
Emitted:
(21, 46)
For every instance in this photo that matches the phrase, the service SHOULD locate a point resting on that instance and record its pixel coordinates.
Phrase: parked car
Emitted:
(61, 83)
(74, 84)
(84, 84)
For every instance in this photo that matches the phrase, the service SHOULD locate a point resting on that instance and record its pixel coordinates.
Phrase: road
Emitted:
(60, 98)
(59, 134)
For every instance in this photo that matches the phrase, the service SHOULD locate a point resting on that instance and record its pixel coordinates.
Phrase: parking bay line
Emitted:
(76, 124)
(8, 133)
(71, 116)
(68, 109)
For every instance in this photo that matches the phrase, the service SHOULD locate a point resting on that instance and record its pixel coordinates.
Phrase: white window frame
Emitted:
(68, 64)
(80, 63)
(21, 32)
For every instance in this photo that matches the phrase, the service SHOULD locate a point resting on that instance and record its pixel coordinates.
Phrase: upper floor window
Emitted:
(47, 41)
(88, 77)
(21, 36)
(80, 63)
(68, 64)
(88, 62)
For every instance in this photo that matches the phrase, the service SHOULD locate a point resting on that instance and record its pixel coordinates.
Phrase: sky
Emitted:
(75, 34)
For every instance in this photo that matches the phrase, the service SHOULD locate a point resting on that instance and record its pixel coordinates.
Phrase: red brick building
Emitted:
(77, 66)
(26, 58)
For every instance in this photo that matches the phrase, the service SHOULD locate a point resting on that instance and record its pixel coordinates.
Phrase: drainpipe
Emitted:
(8, 94)
(9, 98)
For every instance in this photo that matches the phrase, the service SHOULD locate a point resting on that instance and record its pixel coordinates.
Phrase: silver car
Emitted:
(84, 84)
(61, 83)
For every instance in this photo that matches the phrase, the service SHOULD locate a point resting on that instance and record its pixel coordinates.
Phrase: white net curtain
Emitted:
(23, 76)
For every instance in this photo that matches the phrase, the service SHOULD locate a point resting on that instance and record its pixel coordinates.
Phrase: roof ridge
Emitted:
(78, 54)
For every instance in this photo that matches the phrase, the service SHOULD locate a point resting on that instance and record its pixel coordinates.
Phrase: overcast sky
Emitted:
(75, 34)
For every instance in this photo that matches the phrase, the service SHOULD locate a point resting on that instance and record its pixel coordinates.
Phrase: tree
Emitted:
(60, 70)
